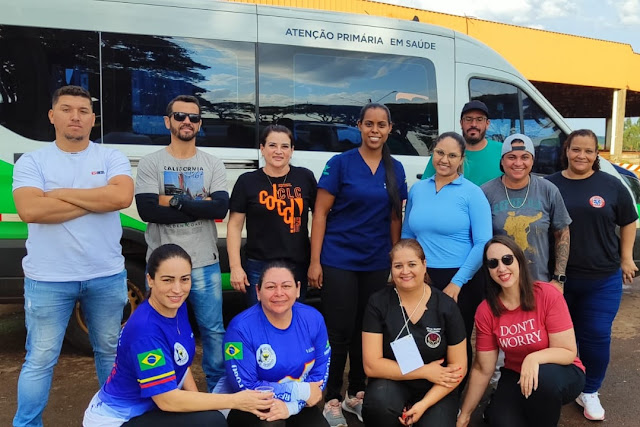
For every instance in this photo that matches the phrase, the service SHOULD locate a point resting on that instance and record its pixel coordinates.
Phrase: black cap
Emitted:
(475, 105)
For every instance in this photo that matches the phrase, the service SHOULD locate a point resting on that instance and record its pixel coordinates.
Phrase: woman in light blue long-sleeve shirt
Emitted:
(451, 218)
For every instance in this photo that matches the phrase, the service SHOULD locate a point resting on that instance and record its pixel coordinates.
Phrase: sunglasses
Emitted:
(193, 118)
(493, 263)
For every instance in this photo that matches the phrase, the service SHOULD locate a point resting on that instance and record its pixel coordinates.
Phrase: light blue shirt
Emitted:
(452, 225)
(82, 248)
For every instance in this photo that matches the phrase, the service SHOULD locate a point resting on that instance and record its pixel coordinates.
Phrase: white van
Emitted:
(250, 66)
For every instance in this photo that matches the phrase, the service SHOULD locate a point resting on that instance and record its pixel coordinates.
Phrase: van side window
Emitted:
(34, 62)
(318, 94)
(143, 73)
(513, 111)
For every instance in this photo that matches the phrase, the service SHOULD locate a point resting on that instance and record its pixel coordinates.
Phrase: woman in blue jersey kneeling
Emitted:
(151, 383)
(279, 345)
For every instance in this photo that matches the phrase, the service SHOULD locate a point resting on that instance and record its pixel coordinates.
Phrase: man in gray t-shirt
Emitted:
(525, 207)
(180, 191)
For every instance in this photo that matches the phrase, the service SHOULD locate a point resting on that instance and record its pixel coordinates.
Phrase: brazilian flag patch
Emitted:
(151, 359)
(233, 351)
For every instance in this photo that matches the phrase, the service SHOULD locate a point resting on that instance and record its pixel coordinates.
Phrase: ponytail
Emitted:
(391, 181)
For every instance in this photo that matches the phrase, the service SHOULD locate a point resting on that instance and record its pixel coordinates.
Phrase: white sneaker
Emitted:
(353, 404)
(333, 414)
(593, 410)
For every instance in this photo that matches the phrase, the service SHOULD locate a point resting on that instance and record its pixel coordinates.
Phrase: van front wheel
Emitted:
(77, 332)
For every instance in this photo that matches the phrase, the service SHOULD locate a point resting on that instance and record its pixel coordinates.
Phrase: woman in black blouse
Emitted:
(422, 326)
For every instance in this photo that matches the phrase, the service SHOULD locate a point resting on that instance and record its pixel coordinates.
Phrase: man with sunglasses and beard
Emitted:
(481, 154)
(180, 192)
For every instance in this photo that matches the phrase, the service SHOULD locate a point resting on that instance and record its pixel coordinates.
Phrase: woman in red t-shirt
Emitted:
(530, 322)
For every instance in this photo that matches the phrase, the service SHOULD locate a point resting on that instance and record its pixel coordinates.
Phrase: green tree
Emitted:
(631, 135)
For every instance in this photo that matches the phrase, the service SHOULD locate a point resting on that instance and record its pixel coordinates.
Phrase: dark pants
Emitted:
(308, 417)
(593, 304)
(470, 296)
(171, 419)
(344, 297)
(557, 386)
(384, 401)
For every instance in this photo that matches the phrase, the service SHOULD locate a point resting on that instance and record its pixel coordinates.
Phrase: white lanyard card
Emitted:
(407, 354)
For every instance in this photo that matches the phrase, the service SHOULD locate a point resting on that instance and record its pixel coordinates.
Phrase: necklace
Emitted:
(285, 177)
(506, 193)
(402, 309)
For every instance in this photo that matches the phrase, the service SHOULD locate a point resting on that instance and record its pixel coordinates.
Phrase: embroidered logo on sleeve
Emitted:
(233, 351)
(151, 359)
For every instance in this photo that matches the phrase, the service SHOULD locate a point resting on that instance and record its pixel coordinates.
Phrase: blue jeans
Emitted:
(593, 304)
(253, 269)
(48, 307)
(206, 301)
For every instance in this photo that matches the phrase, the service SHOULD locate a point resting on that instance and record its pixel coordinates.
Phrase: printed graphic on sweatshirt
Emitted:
(185, 181)
(287, 201)
(518, 227)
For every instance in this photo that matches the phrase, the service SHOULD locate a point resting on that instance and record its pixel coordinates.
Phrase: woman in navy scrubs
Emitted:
(357, 218)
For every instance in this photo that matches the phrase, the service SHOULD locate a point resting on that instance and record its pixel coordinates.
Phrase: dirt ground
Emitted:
(75, 383)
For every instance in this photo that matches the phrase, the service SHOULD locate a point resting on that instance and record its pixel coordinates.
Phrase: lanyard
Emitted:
(406, 320)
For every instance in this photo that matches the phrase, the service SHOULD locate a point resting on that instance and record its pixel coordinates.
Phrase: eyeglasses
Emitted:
(468, 119)
(180, 117)
(493, 262)
(441, 153)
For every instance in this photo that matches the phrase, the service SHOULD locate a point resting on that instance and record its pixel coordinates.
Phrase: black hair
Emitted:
(455, 136)
(71, 91)
(277, 264)
(275, 128)
(183, 98)
(163, 253)
(567, 144)
(525, 281)
(390, 177)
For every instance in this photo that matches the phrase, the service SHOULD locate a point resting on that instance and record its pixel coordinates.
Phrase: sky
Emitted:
(613, 20)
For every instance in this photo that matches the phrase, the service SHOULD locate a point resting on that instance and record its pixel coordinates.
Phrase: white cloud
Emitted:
(615, 20)
(628, 11)
(556, 9)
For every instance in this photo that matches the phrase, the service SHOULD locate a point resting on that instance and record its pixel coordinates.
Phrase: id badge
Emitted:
(407, 354)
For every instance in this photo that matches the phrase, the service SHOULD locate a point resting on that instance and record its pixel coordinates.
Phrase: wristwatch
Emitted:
(176, 201)
(560, 278)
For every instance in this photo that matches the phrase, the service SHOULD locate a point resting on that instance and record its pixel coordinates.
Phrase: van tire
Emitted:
(77, 334)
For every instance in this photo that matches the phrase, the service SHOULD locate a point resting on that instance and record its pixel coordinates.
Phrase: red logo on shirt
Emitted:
(597, 202)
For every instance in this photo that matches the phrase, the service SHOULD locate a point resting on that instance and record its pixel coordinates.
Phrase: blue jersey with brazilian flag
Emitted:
(154, 353)
(257, 353)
